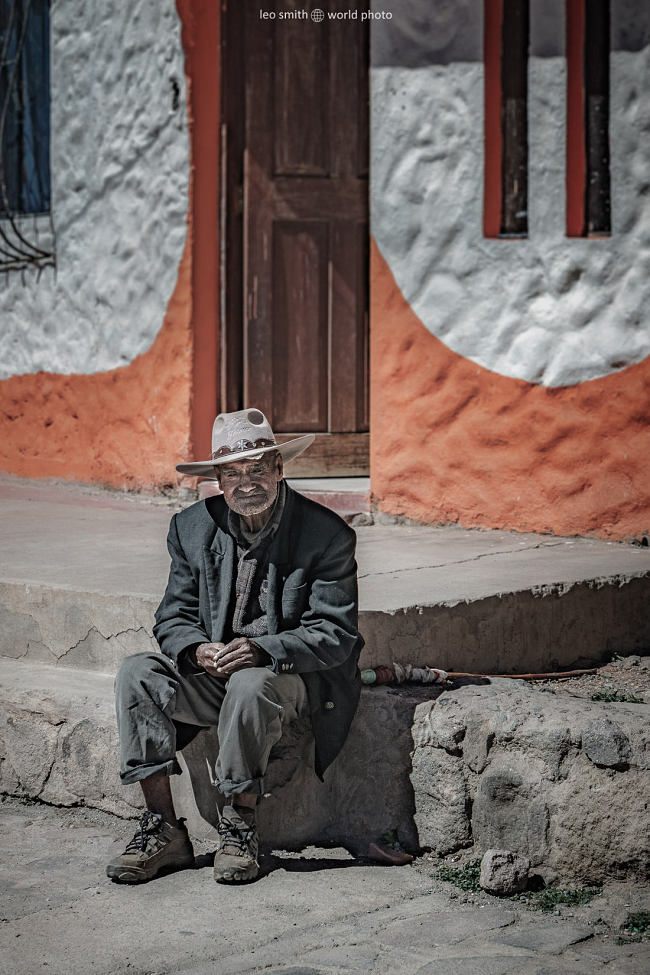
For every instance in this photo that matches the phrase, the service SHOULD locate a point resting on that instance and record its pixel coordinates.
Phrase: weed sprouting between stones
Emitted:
(636, 928)
(638, 922)
(467, 877)
(616, 697)
(551, 897)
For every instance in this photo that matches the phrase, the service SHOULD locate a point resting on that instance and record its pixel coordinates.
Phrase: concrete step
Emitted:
(58, 744)
(84, 570)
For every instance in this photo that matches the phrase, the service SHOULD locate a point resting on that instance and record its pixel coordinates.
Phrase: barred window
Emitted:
(506, 49)
(25, 134)
(588, 170)
(507, 27)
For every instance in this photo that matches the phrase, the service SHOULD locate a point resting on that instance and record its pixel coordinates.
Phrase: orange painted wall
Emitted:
(128, 427)
(122, 428)
(453, 442)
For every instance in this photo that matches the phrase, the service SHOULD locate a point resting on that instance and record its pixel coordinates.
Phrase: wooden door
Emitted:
(297, 341)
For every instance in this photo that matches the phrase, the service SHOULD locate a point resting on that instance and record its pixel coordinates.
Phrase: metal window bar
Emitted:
(24, 137)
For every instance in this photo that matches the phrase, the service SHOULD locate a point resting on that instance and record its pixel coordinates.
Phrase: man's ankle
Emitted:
(167, 820)
(244, 800)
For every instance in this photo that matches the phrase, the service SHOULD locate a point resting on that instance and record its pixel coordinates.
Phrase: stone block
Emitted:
(605, 743)
(504, 872)
(599, 824)
(479, 738)
(508, 814)
(81, 630)
(442, 802)
(441, 724)
(58, 740)
(551, 938)
(560, 780)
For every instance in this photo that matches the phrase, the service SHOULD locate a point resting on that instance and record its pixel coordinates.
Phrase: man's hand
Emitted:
(222, 660)
(207, 655)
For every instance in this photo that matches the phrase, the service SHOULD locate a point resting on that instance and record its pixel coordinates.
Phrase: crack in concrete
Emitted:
(47, 778)
(59, 725)
(474, 558)
(111, 636)
(19, 656)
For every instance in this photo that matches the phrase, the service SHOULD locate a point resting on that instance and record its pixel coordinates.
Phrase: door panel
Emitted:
(299, 312)
(300, 100)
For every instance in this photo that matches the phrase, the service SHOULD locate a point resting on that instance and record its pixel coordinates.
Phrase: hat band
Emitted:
(240, 446)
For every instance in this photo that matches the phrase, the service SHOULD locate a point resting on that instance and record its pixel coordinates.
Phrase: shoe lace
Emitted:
(237, 836)
(150, 824)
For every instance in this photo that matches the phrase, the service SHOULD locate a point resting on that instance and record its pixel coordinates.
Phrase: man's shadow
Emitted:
(366, 792)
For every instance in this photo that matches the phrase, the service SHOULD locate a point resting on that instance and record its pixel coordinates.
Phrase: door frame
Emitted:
(349, 455)
(232, 125)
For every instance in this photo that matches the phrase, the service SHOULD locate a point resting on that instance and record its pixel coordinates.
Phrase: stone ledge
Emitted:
(58, 743)
(500, 764)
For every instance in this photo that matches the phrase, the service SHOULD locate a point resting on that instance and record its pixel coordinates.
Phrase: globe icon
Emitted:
(317, 15)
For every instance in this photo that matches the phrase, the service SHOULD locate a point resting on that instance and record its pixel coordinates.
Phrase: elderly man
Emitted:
(257, 626)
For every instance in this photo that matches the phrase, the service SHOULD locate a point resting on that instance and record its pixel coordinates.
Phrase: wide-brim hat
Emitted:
(243, 435)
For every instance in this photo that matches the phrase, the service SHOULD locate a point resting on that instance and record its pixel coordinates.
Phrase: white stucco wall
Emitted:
(547, 309)
(120, 170)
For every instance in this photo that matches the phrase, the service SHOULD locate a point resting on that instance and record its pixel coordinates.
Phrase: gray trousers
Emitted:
(249, 710)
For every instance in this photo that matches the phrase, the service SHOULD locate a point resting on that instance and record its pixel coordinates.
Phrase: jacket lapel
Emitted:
(219, 563)
(279, 559)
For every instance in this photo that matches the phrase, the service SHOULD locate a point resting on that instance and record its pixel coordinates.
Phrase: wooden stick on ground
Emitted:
(557, 675)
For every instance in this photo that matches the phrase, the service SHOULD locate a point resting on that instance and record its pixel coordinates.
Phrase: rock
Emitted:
(632, 661)
(604, 743)
(509, 813)
(440, 723)
(479, 739)
(441, 800)
(557, 779)
(504, 872)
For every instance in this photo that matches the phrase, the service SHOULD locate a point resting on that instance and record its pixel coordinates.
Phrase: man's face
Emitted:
(251, 486)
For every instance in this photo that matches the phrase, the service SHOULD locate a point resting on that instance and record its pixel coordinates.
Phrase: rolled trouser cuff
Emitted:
(229, 788)
(146, 771)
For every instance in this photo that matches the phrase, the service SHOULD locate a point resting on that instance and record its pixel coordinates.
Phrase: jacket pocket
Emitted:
(294, 601)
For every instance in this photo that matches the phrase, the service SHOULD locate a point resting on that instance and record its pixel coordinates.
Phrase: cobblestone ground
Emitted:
(315, 913)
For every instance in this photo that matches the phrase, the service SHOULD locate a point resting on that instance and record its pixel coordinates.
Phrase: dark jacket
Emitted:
(311, 609)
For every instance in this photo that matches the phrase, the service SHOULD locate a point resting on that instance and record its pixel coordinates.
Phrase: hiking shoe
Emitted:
(236, 858)
(156, 846)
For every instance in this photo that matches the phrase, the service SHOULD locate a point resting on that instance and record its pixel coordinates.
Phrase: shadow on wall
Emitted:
(366, 792)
